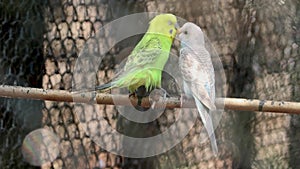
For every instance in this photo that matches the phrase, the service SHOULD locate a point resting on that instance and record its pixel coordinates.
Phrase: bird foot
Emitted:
(183, 99)
(156, 95)
(132, 95)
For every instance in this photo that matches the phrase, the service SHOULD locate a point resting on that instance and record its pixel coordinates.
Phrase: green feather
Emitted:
(145, 63)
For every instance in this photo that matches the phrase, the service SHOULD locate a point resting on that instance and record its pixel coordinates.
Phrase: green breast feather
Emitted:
(146, 62)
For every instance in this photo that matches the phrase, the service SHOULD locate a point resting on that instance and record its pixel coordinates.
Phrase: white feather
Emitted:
(198, 75)
(208, 124)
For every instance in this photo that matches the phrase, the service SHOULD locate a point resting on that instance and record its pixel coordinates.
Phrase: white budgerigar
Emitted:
(198, 75)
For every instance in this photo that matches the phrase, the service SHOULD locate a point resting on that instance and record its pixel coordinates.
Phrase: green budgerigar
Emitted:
(147, 60)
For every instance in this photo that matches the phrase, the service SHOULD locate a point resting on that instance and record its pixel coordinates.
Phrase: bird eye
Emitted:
(185, 32)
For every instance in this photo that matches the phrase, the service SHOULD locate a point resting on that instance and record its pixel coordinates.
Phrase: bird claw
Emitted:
(182, 99)
(156, 95)
(153, 105)
(166, 94)
(132, 94)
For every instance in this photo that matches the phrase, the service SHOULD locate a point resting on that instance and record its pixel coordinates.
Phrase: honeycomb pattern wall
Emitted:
(258, 44)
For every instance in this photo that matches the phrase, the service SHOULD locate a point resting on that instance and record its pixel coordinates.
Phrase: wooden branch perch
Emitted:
(102, 98)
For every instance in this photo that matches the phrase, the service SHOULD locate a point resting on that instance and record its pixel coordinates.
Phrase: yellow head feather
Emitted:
(165, 24)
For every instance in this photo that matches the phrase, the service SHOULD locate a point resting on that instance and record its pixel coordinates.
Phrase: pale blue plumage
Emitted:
(198, 75)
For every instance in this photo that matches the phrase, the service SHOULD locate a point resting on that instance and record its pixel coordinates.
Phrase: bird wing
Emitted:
(198, 76)
(145, 53)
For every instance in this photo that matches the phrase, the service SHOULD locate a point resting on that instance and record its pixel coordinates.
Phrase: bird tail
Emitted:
(208, 124)
(104, 87)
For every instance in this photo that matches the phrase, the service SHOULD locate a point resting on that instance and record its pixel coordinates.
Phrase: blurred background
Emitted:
(258, 44)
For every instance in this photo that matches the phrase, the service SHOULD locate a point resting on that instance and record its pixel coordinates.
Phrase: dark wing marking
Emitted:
(144, 54)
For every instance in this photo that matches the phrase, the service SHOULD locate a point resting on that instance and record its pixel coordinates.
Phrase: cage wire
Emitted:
(257, 41)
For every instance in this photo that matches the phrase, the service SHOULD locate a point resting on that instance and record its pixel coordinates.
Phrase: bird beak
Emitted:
(177, 26)
(178, 31)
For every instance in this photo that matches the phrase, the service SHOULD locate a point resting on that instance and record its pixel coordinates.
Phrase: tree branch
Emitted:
(103, 98)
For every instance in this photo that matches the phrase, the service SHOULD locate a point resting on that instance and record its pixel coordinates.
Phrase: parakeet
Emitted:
(147, 60)
(198, 75)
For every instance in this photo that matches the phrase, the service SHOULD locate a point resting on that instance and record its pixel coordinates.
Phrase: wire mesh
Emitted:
(257, 41)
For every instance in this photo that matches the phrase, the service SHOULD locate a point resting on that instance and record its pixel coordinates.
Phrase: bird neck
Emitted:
(162, 31)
